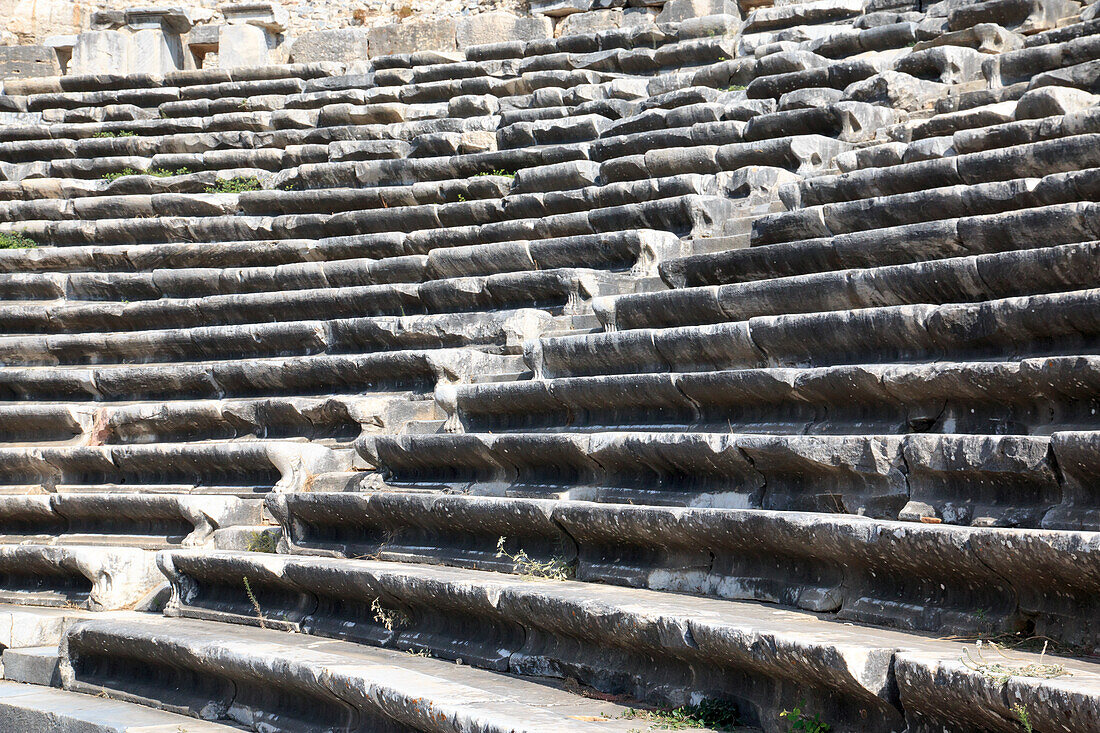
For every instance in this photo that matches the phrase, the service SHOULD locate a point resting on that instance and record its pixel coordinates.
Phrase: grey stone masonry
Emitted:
(619, 366)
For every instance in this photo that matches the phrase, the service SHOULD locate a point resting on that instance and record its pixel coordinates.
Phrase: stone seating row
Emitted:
(903, 574)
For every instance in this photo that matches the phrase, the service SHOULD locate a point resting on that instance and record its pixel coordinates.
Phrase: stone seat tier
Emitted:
(1025, 397)
(985, 480)
(266, 677)
(191, 77)
(752, 652)
(853, 568)
(638, 250)
(251, 466)
(32, 707)
(462, 223)
(93, 577)
(327, 419)
(131, 520)
(910, 243)
(1046, 324)
(461, 202)
(317, 374)
(504, 330)
(1024, 64)
(44, 192)
(931, 204)
(557, 291)
(978, 277)
(998, 153)
(802, 154)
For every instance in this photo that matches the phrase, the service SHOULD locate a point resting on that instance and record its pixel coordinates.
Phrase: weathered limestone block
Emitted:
(677, 11)
(270, 16)
(558, 8)
(500, 27)
(1021, 16)
(1053, 101)
(26, 708)
(944, 64)
(243, 44)
(18, 62)
(985, 37)
(95, 578)
(589, 22)
(97, 52)
(797, 14)
(155, 51)
(413, 37)
(340, 44)
(897, 90)
(173, 20)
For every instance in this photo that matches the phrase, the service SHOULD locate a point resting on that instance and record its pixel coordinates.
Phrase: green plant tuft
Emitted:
(1023, 717)
(263, 542)
(119, 133)
(803, 722)
(255, 603)
(555, 568)
(16, 240)
(236, 185)
(715, 714)
(497, 172)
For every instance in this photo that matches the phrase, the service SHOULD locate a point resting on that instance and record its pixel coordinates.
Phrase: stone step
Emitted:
(1048, 324)
(986, 480)
(1026, 397)
(754, 652)
(953, 279)
(93, 577)
(190, 77)
(31, 707)
(129, 520)
(982, 234)
(253, 466)
(1002, 152)
(800, 154)
(254, 377)
(189, 282)
(35, 626)
(320, 683)
(505, 330)
(854, 568)
(438, 303)
(325, 417)
(929, 205)
(34, 665)
(685, 215)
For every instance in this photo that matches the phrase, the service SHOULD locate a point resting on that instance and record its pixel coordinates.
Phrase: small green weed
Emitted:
(263, 542)
(158, 172)
(391, 618)
(735, 88)
(553, 569)
(119, 133)
(803, 722)
(236, 185)
(255, 603)
(16, 240)
(715, 714)
(497, 172)
(114, 176)
(165, 173)
(1023, 717)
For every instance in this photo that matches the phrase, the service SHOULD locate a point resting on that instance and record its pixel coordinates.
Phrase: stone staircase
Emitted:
(742, 368)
